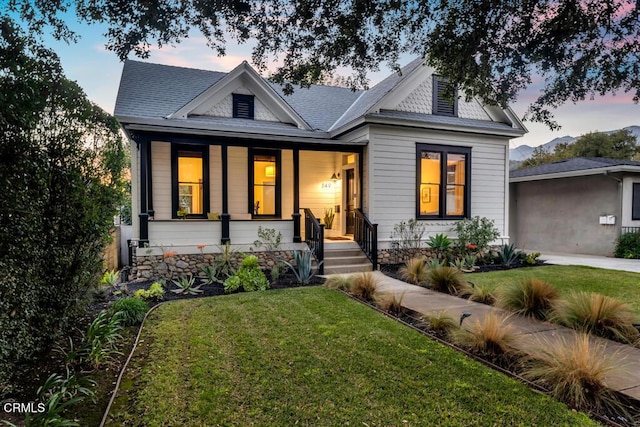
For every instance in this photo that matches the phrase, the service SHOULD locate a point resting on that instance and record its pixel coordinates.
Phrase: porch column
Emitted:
(144, 179)
(224, 216)
(296, 196)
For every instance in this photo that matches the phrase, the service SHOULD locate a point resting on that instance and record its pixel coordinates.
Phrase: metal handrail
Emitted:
(314, 237)
(365, 234)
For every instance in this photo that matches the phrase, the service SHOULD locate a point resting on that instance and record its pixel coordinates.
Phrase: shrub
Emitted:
(155, 292)
(101, 338)
(448, 280)
(482, 293)
(132, 310)
(491, 335)
(530, 297)
(186, 286)
(597, 314)
(61, 162)
(271, 239)
(574, 371)
(364, 286)
(110, 278)
(415, 271)
(476, 231)
(390, 303)
(303, 268)
(532, 258)
(225, 262)
(440, 322)
(628, 246)
(249, 277)
(409, 235)
(341, 282)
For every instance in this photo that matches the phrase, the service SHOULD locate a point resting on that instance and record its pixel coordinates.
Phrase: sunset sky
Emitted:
(98, 71)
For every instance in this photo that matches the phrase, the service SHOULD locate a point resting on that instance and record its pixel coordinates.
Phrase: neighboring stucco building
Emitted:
(579, 205)
(232, 146)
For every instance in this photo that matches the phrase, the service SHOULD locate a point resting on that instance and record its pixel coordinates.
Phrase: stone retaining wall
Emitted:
(150, 267)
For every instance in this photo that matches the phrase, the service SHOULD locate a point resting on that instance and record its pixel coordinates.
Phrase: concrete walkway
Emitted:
(592, 261)
(530, 332)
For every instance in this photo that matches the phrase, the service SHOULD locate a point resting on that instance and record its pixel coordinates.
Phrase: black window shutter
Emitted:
(442, 105)
(243, 106)
(635, 208)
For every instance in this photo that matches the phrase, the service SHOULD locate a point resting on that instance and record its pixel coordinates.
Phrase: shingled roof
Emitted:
(576, 166)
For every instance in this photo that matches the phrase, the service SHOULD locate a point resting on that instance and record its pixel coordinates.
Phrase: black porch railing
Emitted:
(365, 235)
(314, 237)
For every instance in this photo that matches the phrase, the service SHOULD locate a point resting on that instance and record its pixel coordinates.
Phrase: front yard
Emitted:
(311, 356)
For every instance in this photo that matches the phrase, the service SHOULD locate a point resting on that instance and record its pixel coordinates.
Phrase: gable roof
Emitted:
(155, 95)
(577, 166)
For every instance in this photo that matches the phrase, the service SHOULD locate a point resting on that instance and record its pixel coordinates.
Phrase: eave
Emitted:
(578, 173)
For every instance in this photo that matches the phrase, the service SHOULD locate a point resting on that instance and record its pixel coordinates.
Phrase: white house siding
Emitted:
(392, 156)
(421, 101)
(184, 235)
(215, 179)
(238, 182)
(161, 179)
(225, 108)
(246, 232)
(316, 169)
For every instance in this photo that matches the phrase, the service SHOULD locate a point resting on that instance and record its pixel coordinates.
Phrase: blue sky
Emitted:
(98, 71)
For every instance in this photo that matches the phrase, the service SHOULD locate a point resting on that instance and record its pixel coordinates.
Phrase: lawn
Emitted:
(311, 356)
(619, 284)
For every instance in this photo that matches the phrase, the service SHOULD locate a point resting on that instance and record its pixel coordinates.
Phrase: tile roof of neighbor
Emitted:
(575, 164)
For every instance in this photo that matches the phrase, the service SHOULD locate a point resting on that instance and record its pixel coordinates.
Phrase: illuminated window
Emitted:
(265, 181)
(190, 193)
(443, 190)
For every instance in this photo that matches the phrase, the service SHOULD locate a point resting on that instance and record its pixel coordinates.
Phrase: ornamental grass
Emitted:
(529, 297)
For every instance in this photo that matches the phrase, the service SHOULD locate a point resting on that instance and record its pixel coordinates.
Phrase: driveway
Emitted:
(592, 261)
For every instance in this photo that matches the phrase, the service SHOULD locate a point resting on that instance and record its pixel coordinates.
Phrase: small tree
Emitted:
(476, 232)
(409, 235)
(61, 161)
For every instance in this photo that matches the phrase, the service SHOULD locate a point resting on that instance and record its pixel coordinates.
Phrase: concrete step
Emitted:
(337, 253)
(346, 269)
(351, 260)
(340, 244)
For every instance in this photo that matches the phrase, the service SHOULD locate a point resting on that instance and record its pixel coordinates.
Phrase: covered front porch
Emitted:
(203, 192)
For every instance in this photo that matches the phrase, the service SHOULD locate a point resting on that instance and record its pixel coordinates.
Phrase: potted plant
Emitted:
(328, 218)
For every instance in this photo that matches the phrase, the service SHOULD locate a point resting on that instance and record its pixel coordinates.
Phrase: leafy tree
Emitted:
(61, 160)
(492, 49)
(617, 145)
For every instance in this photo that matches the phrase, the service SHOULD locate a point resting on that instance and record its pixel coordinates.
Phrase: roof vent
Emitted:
(243, 106)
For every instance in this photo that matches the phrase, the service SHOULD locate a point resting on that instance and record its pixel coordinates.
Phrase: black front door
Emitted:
(351, 197)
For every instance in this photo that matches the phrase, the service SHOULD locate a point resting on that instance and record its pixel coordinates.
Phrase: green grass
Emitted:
(311, 356)
(614, 283)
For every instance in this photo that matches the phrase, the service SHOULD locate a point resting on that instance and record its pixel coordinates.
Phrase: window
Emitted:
(443, 105)
(264, 180)
(635, 202)
(443, 181)
(190, 181)
(243, 106)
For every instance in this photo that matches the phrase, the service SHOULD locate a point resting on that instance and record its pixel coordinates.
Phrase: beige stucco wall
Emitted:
(562, 215)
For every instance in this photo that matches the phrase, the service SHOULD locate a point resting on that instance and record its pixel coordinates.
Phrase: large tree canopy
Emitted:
(493, 49)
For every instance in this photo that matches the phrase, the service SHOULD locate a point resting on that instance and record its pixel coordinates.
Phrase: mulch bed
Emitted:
(391, 270)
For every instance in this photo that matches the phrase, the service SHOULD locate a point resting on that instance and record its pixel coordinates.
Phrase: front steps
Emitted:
(343, 257)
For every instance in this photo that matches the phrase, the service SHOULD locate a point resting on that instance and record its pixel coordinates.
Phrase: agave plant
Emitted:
(439, 242)
(303, 268)
(186, 285)
(508, 255)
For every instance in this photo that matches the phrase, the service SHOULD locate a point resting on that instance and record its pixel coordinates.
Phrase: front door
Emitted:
(351, 198)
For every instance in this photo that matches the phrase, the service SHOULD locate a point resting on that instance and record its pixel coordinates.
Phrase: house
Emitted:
(579, 205)
(217, 155)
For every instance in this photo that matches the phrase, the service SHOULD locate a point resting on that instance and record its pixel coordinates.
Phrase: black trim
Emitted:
(635, 201)
(444, 150)
(297, 237)
(201, 150)
(243, 106)
(442, 105)
(149, 177)
(262, 152)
